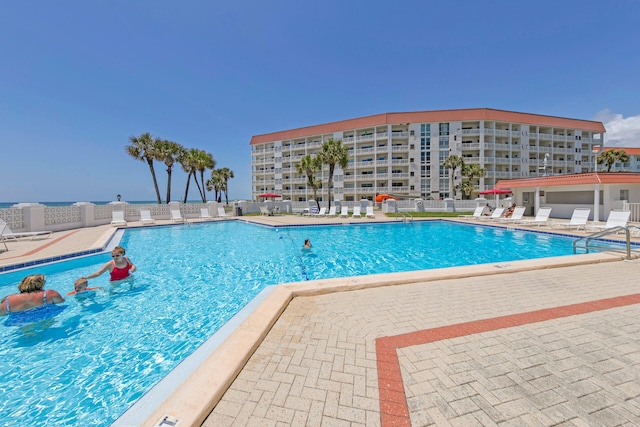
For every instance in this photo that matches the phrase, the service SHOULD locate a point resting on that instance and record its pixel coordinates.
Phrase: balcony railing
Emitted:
(400, 148)
(399, 134)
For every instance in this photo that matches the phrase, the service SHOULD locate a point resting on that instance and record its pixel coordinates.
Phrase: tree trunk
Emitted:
(168, 184)
(155, 181)
(204, 189)
(186, 191)
(330, 183)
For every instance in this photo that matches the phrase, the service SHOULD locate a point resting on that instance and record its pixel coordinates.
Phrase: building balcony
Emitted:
(369, 137)
(368, 151)
(399, 134)
(400, 149)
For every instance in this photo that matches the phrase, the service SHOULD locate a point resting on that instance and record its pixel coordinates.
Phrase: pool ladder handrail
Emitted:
(606, 232)
(404, 215)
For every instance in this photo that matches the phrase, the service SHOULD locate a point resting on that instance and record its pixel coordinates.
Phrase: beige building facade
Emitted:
(402, 153)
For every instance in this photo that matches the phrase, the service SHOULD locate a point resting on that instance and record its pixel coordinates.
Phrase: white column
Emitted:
(596, 203)
(536, 201)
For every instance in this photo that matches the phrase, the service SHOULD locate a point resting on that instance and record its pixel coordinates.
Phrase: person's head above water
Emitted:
(80, 285)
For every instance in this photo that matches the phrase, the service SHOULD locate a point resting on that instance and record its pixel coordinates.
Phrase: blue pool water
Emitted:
(95, 358)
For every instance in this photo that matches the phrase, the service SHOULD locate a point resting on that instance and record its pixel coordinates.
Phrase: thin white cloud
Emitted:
(621, 132)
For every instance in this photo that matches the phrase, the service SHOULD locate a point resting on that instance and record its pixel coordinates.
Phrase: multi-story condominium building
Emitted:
(633, 165)
(403, 153)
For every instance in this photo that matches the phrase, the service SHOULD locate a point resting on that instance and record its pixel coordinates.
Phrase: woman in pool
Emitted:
(119, 267)
(32, 295)
(307, 244)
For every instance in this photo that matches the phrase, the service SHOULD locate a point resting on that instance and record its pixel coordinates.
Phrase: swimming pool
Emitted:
(105, 350)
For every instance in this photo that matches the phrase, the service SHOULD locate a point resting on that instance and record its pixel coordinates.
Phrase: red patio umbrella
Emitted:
(496, 192)
(269, 195)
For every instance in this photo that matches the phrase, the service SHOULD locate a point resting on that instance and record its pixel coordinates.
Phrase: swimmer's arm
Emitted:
(54, 297)
(99, 272)
(133, 267)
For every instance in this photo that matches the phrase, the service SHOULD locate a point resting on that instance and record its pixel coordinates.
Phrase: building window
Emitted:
(425, 129)
(624, 195)
(444, 142)
(443, 129)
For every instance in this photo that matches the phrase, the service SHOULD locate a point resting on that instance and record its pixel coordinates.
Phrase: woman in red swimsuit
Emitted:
(119, 267)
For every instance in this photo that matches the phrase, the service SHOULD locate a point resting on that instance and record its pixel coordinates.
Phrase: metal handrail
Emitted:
(606, 232)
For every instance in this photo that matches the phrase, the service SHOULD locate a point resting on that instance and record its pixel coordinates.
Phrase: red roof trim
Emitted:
(629, 150)
(429, 117)
(573, 179)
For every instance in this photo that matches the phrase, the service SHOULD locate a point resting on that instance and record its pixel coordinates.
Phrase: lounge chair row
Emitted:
(344, 212)
(579, 218)
(176, 216)
(516, 217)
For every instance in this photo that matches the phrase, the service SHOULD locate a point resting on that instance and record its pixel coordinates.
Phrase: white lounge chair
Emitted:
(615, 219)
(7, 234)
(516, 215)
(497, 213)
(313, 211)
(204, 213)
(332, 211)
(356, 212)
(264, 211)
(477, 213)
(176, 216)
(579, 218)
(2, 227)
(117, 218)
(344, 211)
(369, 212)
(541, 218)
(145, 217)
(221, 212)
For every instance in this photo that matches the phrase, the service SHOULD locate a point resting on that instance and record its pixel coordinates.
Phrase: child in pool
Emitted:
(80, 286)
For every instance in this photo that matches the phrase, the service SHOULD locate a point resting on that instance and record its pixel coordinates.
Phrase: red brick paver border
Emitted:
(393, 403)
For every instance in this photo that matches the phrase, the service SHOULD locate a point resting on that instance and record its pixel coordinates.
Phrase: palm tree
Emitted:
(467, 187)
(226, 174)
(333, 153)
(308, 166)
(203, 161)
(452, 163)
(168, 152)
(216, 182)
(609, 157)
(188, 162)
(471, 171)
(143, 148)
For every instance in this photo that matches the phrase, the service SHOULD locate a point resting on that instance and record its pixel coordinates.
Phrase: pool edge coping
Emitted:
(194, 399)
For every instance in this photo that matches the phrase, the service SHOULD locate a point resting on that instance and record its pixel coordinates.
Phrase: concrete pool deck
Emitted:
(540, 342)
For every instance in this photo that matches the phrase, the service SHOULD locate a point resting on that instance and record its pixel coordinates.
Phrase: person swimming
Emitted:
(119, 267)
(32, 295)
(307, 244)
(80, 287)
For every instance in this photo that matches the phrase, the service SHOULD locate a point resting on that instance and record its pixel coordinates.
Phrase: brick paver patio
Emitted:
(577, 365)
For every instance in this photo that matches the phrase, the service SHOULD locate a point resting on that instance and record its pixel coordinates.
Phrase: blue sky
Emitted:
(78, 78)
